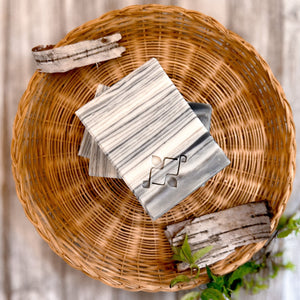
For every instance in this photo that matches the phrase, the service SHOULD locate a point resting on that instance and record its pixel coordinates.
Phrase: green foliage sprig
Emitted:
(245, 276)
(287, 226)
(184, 254)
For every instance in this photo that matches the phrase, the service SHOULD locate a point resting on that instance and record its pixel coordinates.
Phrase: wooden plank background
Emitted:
(28, 268)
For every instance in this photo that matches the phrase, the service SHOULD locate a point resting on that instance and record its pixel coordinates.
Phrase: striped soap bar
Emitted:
(100, 166)
(87, 140)
(153, 138)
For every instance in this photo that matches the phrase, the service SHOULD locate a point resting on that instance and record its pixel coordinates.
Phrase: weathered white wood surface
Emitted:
(28, 268)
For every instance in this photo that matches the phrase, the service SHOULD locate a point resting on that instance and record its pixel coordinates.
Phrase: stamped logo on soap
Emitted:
(165, 176)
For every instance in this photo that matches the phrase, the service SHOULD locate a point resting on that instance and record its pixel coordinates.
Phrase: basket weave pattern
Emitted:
(96, 224)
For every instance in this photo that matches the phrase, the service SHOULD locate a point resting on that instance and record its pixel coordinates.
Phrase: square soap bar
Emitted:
(153, 138)
(100, 165)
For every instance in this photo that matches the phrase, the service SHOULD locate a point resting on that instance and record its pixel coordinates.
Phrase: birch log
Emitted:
(65, 58)
(224, 230)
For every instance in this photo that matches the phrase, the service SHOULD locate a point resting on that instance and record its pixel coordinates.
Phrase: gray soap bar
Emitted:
(99, 164)
(153, 138)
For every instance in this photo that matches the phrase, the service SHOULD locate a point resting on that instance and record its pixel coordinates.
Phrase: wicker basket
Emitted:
(96, 224)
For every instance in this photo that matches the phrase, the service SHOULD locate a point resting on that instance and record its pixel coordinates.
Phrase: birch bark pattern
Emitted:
(224, 230)
(65, 58)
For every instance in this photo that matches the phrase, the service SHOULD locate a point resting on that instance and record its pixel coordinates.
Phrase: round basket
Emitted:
(96, 224)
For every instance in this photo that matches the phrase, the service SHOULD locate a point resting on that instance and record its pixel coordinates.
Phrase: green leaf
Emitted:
(178, 279)
(242, 271)
(215, 285)
(285, 233)
(183, 257)
(258, 287)
(282, 222)
(176, 257)
(275, 271)
(291, 220)
(289, 266)
(218, 283)
(278, 254)
(191, 296)
(212, 294)
(211, 276)
(294, 224)
(186, 249)
(200, 253)
(288, 225)
(226, 291)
